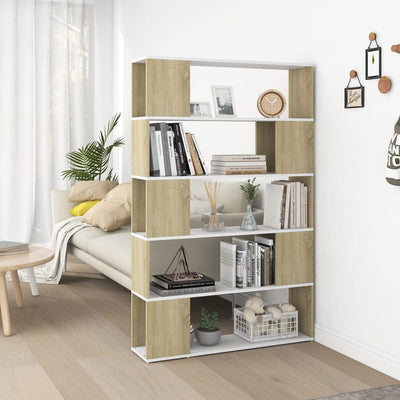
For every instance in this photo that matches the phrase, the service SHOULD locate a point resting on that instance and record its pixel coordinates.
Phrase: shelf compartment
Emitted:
(229, 231)
(288, 146)
(228, 343)
(302, 297)
(221, 291)
(161, 87)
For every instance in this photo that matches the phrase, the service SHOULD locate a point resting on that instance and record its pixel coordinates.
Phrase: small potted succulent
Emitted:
(250, 191)
(208, 333)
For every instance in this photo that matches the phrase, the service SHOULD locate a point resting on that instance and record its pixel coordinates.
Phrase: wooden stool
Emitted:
(36, 256)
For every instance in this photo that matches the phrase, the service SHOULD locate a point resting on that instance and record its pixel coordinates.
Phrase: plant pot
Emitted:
(207, 338)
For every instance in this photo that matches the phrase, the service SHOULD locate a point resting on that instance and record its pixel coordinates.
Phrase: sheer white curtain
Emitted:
(45, 106)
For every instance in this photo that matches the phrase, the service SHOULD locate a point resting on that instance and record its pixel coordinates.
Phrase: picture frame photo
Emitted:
(373, 63)
(223, 101)
(200, 109)
(354, 97)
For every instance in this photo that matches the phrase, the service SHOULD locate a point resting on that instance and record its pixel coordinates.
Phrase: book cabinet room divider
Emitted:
(161, 205)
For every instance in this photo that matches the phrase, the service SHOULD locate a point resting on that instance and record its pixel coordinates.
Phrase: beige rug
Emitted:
(382, 393)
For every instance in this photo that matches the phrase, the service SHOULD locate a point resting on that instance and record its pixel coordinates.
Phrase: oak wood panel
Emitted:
(265, 142)
(294, 258)
(167, 328)
(141, 266)
(138, 90)
(309, 182)
(138, 218)
(140, 148)
(138, 319)
(167, 88)
(294, 147)
(168, 208)
(303, 299)
(301, 93)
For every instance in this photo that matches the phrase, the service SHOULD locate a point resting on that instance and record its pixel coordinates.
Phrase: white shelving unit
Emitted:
(161, 92)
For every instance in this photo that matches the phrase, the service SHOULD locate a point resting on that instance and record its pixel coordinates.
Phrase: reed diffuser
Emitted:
(213, 221)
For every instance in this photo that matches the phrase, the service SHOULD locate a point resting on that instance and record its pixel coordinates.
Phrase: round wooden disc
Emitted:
(353, 73)
(384, 84)
(372, 36)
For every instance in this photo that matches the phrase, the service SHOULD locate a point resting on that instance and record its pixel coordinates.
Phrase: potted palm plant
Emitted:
(208, 333)
(90, 162)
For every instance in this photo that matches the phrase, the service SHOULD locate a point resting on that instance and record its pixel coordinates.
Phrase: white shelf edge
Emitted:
(222, 289)
(221, 119)
(208, 62)
(198, 233)
(214, 176)
(228, 343)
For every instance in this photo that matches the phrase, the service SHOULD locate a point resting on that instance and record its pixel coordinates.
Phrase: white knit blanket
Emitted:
(51, 272)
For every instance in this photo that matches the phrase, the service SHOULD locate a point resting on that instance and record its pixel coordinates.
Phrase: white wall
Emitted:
(357, 263)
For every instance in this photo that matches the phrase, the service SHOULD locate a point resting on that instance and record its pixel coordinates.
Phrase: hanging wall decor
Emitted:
(373, 61)
(354, 96)
(393, 161)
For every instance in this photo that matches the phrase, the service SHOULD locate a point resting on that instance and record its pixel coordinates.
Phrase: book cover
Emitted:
(160, 152)
(195, 157)
(164, 282)
(287, 203)
(273, 208)
(227, 274)
(268, 242)
(183, 291)
(240, 268)
(154, 165)
(187, 151)
(202, 160)
(244, 245)
(164, 141)
(238, 157)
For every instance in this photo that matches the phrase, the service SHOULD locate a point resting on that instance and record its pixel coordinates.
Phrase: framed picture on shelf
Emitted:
(373, 63)
(200, 109)
(223, 101)
(354, 97)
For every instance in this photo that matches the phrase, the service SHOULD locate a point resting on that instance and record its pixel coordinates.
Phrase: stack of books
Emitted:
(164, 286)
(13, 248)
(247, 263)
(238, 164)
(174, 152)
(286, 205)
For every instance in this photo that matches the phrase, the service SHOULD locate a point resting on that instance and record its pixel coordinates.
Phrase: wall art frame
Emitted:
(373, 59)
(354, 97)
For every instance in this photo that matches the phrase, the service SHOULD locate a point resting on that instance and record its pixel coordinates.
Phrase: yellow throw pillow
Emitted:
(91, 190)
(81, 208)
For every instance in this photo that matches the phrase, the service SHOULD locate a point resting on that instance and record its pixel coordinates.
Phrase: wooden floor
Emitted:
(72, 342)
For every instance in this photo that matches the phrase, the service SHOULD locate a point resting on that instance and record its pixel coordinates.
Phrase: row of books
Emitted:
(174, 152)
(247, 263)
(286, 204)
(13, 248)
(238, 164)
(163, 286)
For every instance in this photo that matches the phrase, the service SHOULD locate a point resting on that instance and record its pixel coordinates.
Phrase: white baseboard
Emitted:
(359, 351)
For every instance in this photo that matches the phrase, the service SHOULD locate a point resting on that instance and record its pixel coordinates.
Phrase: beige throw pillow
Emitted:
(113, 211)
(90, 190)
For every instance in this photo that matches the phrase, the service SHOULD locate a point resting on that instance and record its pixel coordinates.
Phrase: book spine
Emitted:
(249, 264)
(164, 138)
(187, 152)
(257, 164)
(154, 165)
(240, 268)
(298, 205)
(180, 149)
(177, 292)
(202, 160)
(305, 207)
(258, 265)
(238, 157)
(249, 172)
(195, 158)
(180, 285)
(267, 266)
(242, 168)
(170, 135)
(160, 153)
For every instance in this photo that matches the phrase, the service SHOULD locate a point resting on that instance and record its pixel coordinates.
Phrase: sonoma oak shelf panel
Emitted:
(221, 177)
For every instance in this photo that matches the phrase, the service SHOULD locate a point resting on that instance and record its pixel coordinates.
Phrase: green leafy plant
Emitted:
(208, 321)
(90, 162)
(250, 190)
